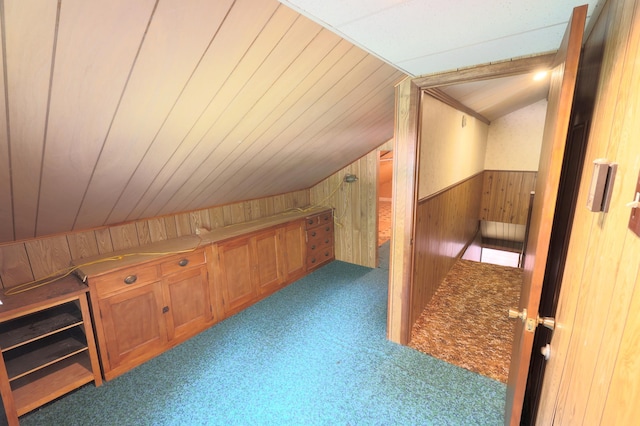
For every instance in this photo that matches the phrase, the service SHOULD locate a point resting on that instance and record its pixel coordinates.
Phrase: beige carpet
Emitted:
(466, 321)
(384, 221)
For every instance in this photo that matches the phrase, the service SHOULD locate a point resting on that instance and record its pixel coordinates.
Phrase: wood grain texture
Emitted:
(29, 42)
(594, 377)
(405, 193)
(121, 112)
(23, 261)
(505, 196)
(355, 210)
(445, 224)
(560, 100)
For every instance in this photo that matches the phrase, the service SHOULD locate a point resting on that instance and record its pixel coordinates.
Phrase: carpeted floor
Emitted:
(314, 353)
(466, 322)
(384, 221)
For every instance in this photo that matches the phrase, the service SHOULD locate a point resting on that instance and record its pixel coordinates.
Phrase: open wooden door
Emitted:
(563, 80)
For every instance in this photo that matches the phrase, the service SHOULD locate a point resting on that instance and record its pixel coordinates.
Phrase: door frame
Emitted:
(406, 147)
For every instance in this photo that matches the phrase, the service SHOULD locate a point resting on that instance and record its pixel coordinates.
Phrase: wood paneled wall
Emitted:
(593, 375)
(445, 223)
(506, 195)
(356, 209)
(36, 258)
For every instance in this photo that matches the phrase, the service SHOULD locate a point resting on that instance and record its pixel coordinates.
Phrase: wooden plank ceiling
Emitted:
(120, 110)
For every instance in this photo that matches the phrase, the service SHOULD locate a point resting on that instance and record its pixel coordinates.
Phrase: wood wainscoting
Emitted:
(445, 223)
(24, 261)
(506, 196)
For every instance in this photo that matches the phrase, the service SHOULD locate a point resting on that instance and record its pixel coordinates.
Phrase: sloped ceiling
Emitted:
(118, 110)
(112, 111)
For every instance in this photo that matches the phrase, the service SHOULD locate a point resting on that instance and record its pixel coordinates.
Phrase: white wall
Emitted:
(449, 152)
(514, 140)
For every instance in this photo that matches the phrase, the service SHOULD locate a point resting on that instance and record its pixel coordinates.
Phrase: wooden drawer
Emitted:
(320, 231)
(319, 242)
(319, 219)
(182, 261)
(124, 279)
(319, 257)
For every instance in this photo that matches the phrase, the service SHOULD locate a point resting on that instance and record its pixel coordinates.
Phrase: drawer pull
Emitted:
(165, 309)
(183, 262)
(326, 241)
(130, 279)
(313, 234)
(326, 254)
(313, 247)
(310, 221)
(313, 260)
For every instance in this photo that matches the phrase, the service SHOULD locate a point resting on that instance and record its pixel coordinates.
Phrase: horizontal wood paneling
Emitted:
(445, 224)
(122, 111)
(24, 261)
(505, 196)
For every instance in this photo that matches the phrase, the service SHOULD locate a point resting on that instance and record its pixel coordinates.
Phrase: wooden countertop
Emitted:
(33, 300)
(108, 262)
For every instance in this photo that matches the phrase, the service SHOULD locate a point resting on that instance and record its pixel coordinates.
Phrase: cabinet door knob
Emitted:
(165, 309)
(130, 279)
(183, 262)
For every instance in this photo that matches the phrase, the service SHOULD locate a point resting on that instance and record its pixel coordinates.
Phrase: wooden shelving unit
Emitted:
(47, 346)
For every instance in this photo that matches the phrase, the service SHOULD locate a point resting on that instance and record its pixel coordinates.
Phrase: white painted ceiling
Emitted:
(428, 36)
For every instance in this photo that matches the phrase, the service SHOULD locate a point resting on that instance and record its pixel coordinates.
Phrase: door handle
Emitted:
(513, 314)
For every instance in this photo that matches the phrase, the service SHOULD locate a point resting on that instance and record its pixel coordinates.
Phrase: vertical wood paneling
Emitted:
(14, 264)
(593, 379)
(92, 63)
(157, 229)
(445, 224)
(20, 262)
(144, 234)
(48, 255)
(124, 236)
(82, 244)
(505, 196)
(355, 213)
(30, 37)
(103, 239)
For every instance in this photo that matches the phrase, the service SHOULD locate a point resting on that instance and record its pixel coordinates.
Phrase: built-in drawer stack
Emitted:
(319, 233)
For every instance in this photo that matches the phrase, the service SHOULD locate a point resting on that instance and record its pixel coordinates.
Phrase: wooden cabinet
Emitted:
(145, 305)
(248, 268)
(293, 245)
(147, 308)
(319, 236)
(47, 344)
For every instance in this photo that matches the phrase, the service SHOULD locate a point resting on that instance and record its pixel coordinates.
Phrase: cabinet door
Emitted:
(187, 297)
(235, 276)
(293, 238)
(134, 327)
(268, 275)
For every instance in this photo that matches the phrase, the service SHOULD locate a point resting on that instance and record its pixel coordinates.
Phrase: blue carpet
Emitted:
(313, 353)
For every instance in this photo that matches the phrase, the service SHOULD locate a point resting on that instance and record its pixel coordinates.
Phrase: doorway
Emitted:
(385, 184)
